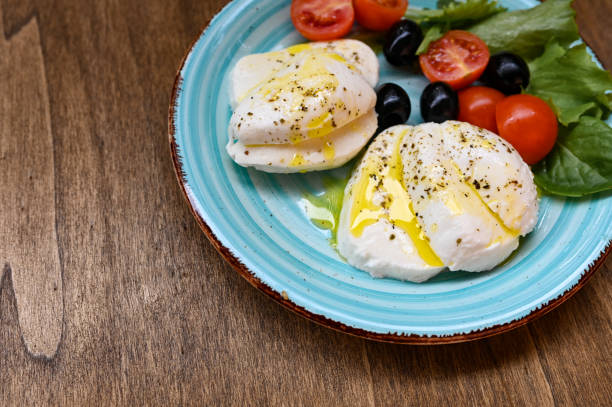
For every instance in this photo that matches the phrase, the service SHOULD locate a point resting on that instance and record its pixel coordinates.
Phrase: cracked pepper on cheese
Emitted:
(308, 107)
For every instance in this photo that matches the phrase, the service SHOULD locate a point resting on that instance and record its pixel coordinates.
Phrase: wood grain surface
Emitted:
(111, 295)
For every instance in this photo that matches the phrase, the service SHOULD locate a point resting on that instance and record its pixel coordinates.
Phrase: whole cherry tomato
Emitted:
(477, 106)
(529, 124)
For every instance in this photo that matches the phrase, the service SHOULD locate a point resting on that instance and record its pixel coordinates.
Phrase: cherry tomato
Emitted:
(529, 124)
(458, 58)
(379, 15)
(477, 106)
(321, 20)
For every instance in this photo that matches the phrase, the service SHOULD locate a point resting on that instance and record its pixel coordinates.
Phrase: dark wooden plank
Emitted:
(154, 316)
(29, 253)
(573, 345)
(502, 370)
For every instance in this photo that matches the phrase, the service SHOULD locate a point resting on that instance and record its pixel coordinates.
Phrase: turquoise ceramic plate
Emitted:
(257, 222)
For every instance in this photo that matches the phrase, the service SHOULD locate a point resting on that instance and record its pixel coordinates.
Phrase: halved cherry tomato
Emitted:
(529, 124)
(458, 58)
(321, 20)
(379, 15)
(477, 106)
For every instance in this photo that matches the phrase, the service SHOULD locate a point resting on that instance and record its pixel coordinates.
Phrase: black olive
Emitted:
(439, 102)
(507, 73)
(392, 105)
(402, 42)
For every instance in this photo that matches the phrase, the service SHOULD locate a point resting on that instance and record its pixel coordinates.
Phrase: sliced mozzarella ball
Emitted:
(435, 195)
(314, 96)
(496, 170)
(323, 153)
(251, 70)
(377, 230)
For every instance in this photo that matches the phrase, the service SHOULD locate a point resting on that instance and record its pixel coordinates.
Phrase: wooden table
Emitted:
(101, 256)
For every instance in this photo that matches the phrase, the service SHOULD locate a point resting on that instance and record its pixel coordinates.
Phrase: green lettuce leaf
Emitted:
(526, 32)
(571, 82)
(454, 14)
(581, 161)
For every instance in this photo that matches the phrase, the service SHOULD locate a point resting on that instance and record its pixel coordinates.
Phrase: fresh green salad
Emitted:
(563, 74)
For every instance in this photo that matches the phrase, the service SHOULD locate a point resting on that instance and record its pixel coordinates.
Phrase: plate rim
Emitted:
(390, 337)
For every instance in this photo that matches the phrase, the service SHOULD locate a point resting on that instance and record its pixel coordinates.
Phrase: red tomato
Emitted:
(529, 124)
(321, 20)
(379, 15)
(458, 58)
(477, 106)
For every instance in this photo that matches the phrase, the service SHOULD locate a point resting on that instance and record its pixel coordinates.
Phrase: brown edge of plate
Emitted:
(411, 339)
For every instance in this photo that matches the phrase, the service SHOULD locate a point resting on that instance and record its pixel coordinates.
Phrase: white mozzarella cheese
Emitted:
(305, 108)
(434, 196)
(316, 95)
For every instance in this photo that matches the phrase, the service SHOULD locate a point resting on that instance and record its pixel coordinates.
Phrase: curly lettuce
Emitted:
(571, 82)
(526, 32)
